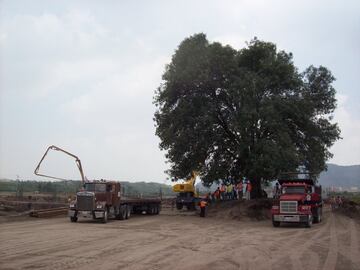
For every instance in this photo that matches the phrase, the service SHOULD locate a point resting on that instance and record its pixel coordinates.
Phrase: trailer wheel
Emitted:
(128, 211)
(122, 212)
(73, 219)
(105, 217)
(157, 209)
(179, 206)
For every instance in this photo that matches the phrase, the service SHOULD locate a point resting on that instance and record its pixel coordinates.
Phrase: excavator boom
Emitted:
(188, 185)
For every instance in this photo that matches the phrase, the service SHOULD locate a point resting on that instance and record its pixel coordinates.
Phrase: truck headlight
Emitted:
(72, 205)
(99, 206)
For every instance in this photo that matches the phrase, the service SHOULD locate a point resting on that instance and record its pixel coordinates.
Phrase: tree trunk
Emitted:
(256, 188)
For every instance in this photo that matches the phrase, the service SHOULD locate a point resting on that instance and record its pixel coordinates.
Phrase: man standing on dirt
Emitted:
(222, 191)
(248, 190)
(239, 190)
(203, 205)
(276, 192)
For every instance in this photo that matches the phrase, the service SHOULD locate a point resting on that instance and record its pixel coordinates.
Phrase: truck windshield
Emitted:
(95, 187)
(293, 190)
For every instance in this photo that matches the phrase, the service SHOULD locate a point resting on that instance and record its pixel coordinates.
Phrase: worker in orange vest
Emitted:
(203, 205)
(239, 189)
(248, 190)
(222, 191)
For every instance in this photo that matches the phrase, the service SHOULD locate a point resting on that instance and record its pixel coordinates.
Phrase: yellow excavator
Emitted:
(187, 195)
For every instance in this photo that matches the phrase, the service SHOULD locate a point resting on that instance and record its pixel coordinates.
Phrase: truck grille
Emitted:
(288, 207)
(85, 202)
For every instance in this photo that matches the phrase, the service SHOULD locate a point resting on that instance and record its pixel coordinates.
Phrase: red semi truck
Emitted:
(299, 200)
(103, 199)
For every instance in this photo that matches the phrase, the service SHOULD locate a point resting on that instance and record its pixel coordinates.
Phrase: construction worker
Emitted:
(239, 190)
(276, 191)
(248, 190)
(229, 190)
(222, 191)
(217, 194)
(203, 205)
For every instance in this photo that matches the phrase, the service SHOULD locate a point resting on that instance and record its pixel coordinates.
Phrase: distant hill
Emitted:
(341, 176)
(336, 175)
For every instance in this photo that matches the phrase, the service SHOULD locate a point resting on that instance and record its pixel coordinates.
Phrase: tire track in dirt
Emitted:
(180, 242)
(354, 244)
(305, 247)
(332, 256)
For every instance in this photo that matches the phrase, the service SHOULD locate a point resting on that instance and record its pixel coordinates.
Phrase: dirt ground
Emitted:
(179, 240)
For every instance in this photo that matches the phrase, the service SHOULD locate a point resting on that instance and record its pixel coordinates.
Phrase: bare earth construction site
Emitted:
(179, 240)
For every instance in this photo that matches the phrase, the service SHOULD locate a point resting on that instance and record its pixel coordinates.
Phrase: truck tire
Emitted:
(275, 223)
(179, 206)
(157, 210)
(73, 219)
(318, 216)
(190, 207)
(105, 217)
(308, 224)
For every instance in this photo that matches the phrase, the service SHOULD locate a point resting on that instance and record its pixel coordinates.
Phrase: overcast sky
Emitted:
(82, 74)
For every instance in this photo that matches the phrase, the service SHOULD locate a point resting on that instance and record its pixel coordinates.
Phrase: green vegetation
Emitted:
(250, 113)
(70, 187)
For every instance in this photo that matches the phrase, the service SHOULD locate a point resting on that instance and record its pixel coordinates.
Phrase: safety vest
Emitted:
(203, 204)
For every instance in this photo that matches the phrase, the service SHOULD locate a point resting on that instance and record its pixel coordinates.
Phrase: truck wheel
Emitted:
(309, 222)
(105, 217)
(276, 223)
(317, 216)
(179, 206)
(190, 207)
(73, 219)
(157, 210)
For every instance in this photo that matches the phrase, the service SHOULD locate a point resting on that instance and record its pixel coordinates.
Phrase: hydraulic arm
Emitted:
(55, 148)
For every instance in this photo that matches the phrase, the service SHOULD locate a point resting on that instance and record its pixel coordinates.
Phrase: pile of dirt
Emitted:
(258, 209)
(350, 209)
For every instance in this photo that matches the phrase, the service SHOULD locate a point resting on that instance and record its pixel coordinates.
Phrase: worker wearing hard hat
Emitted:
(203, 205)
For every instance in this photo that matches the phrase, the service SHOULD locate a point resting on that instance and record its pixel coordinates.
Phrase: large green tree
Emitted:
(249, 113)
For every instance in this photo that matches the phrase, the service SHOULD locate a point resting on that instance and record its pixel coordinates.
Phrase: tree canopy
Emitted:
(243, 113)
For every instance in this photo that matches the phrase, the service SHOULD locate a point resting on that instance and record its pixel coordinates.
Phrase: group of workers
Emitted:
(226, 192)
(231, 191)
(336, 202)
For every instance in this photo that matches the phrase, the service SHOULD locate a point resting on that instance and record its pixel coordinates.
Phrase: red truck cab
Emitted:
(299, 201)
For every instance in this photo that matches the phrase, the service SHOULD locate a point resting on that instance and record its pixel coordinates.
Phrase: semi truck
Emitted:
(102, 199)
(298, 201)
